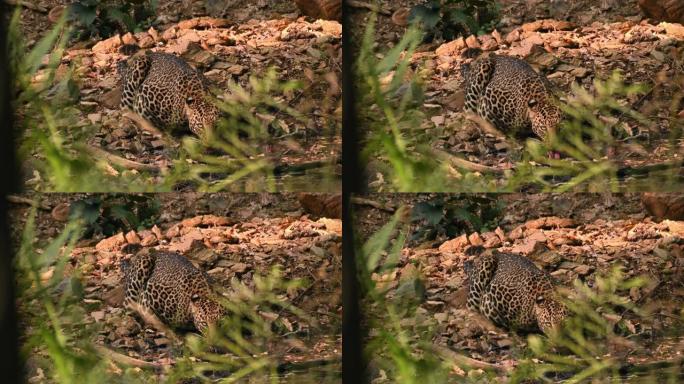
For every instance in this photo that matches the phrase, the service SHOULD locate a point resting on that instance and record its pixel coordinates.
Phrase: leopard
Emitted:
(510, 94)
(172, 288)
(512, 292)
(164, 89)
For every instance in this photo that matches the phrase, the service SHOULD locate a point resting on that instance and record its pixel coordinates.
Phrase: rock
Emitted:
(98, 315)
(111, 243)
(206, 221)
(204, 23)
(56, 13)
(664, 205)
(517, 232)
(108, 46)
(548, 25)
(157, 232)
(205, 256)
(132, 238)
(189, 241)
(497, 36)
(115, 297)
(527, 45)
(491, 240)
(128, 38)
(550, 223)
(202, 58)
(472, 42)
(148, 240)
(154, 34)
(475, 239)
(321, 205)
(583, 270)
(489, 43)
(331, 225)
(400, 16)
(663, 10)
(95, 117)
(675, 227)
(61, 212)
(451, 48)
(145, 40)
(674, 30)
(321, 9)
(169, 34)
(513, 36)
(111, 99)
(454, 245)
(237, 70)
(239, 267)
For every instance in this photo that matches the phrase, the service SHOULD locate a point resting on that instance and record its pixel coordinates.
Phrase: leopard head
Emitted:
(205, 312)
(549, 311)
(542, 109)
(201, 112)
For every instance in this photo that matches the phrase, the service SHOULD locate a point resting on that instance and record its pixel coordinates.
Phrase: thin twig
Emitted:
(369, 6)
(465, 164)
(120, 161)
(151, 319)
(461, 360)
(147, 126)
(28, 5)
(14, 199)
(123, 359)
(374, 204)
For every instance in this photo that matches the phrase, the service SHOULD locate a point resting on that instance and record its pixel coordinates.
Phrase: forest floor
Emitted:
(247, 40)
(572, 42)
(571, 236)
(227, 236)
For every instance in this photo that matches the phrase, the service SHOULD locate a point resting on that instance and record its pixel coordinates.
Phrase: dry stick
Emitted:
(465, 164)
(371, 7)
(123, 359)
(28, 5)
(151, 319)
(146, 125)
(120, 161)
(460, 359)
(14, 199)
(374, 204)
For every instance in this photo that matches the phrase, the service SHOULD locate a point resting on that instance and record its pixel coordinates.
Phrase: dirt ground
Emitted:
(227, 236)
(249, 39)
(571, 236)
(579, 42)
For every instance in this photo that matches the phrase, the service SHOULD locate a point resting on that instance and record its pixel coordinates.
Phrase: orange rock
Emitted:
(132, 238)
(454, 245)
(321, 9)
(108, 46)
(451, 48)
(320, 204)
(111, 243)
(663, 10)
(475, 239)
(664, 205)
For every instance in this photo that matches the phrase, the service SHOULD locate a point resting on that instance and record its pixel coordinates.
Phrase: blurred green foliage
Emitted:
(447, 216)
(399, 148)
(448, 19)
(595, 344)
(104, 18)
(55, 139)
(58, 339)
